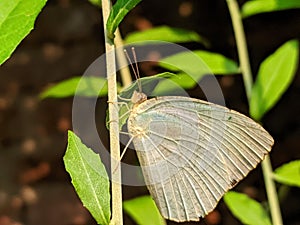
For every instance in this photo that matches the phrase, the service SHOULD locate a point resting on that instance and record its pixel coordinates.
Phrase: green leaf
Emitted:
(147, 84)
(118, 12)
(201, 62)
(274, 77)
(183, 80)
(260, 6)
(191, 67)
(247, 210)
(89, 178)
(81, 86)
(175, 85)
(143, 211)
(97, 3)
(16, 21)
(165, 33)
(289, 173)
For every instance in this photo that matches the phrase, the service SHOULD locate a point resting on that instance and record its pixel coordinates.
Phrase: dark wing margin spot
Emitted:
(233, 182)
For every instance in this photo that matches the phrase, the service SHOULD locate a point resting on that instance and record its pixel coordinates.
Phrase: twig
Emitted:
(247, 77)
(116, 187)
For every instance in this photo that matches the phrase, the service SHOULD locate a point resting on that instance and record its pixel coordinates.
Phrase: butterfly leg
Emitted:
(124, 99)
(120, 104)
(123, 153)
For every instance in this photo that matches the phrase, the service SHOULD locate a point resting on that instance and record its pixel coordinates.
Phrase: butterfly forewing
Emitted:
(191, 152)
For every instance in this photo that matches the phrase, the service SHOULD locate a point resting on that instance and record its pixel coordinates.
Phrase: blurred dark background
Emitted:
(68, 37)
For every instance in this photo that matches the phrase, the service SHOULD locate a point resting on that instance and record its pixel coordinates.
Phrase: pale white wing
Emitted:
(192, 152)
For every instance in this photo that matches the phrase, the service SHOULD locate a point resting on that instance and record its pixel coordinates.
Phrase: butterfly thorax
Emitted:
(137, 131)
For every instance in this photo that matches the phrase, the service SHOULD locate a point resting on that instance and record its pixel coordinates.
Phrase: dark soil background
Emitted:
(68, 37)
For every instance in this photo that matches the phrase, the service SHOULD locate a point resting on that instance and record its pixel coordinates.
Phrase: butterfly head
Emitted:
(138, 97)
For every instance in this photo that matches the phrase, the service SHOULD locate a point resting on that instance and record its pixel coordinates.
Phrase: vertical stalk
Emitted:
(271, 191)
(241, 45)
(247, 77)
(116, 187)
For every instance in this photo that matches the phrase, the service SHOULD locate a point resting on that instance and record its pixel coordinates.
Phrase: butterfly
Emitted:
(192, 151)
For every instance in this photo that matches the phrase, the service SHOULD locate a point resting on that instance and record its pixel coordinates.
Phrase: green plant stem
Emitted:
(241, 45)
(247, 77)
(116, 187)
(271, 191)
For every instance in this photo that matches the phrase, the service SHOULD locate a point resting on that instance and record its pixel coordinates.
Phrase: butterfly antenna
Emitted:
(134, 69)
